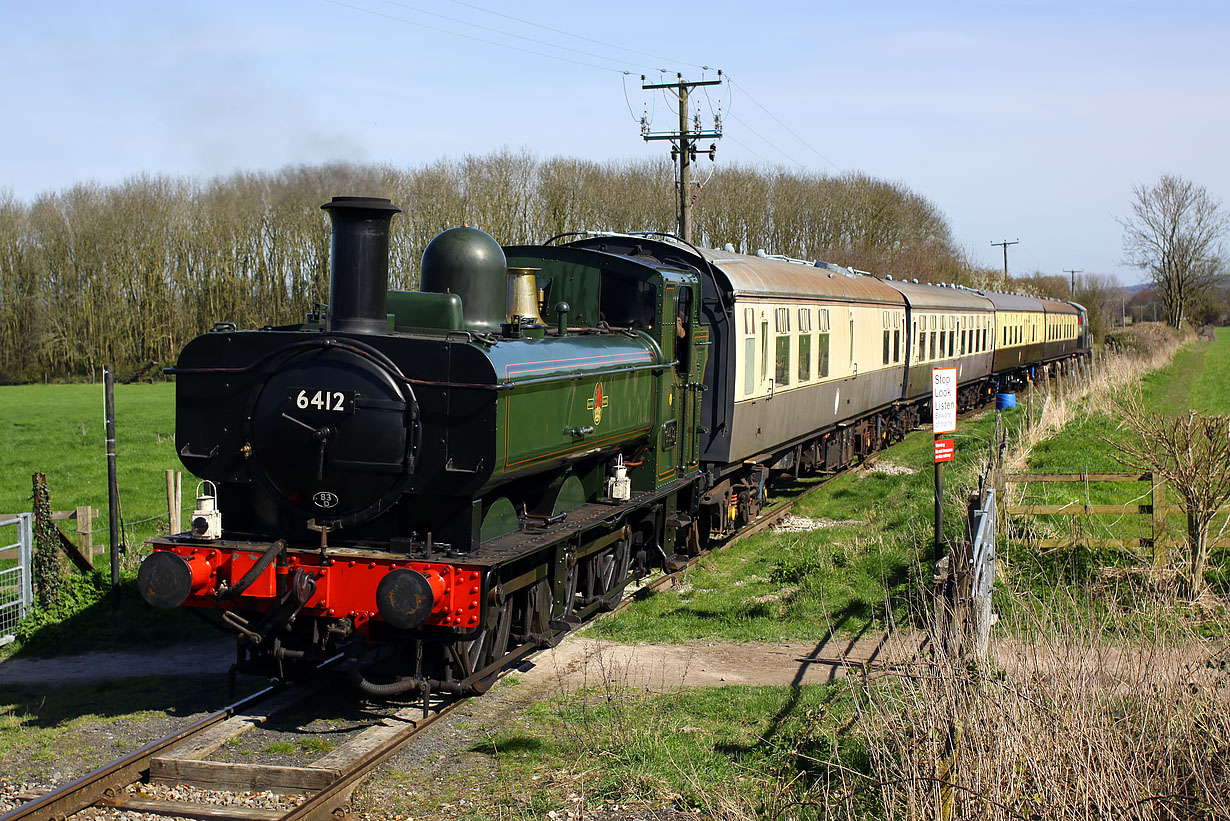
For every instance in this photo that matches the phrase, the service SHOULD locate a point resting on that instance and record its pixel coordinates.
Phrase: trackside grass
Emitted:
(43, 728)
(866, 558)
(714, 753)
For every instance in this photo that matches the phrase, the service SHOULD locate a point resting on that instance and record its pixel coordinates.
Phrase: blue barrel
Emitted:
(1003, 401)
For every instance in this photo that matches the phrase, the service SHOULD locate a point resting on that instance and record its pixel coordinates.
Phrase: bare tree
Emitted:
(1174, 233)
(1192, 455)
(1100, 294)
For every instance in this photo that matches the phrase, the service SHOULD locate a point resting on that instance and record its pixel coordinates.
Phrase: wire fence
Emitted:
(16, 589)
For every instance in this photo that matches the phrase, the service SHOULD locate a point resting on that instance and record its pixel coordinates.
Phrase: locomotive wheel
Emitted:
(570, 589)
(491, 643)
(603, 574)
(617, 562)
(536, 610)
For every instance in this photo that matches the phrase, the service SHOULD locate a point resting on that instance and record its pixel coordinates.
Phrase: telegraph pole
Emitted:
(1005, 245)
(1073, 273)
(683, 142)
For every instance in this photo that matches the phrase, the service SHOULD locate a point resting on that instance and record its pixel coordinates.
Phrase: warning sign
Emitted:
(943, 400)
(945, 450)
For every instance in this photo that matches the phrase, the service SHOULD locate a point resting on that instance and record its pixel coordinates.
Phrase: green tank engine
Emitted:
(442, 469)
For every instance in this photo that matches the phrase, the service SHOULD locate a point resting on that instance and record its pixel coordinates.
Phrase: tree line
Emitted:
(126, 274)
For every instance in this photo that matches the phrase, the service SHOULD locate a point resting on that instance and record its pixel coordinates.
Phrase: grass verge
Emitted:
(46, 731)
(865, 559)
(1077, 435)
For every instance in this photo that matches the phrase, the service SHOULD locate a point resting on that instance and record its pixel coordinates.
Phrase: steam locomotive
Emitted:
(437, 481)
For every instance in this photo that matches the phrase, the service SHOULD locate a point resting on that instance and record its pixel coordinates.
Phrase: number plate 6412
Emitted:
(313, 399)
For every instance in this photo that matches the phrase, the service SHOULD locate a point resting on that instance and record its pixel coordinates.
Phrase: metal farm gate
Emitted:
(16, 563)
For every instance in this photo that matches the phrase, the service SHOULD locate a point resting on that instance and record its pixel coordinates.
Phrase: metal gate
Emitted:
(16, 563)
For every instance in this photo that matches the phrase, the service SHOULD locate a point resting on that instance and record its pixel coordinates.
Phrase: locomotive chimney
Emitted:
(359, 264)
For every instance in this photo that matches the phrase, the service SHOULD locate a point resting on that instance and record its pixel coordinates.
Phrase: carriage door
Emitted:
(685, 342)
(691, 349)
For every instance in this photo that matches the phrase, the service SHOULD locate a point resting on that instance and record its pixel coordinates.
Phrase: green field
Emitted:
(58, 430)
(1199, 379)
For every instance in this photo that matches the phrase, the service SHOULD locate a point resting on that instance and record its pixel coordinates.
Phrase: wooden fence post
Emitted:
(1029, 413)
(85, 540)
(172, 505)
(1158, 520)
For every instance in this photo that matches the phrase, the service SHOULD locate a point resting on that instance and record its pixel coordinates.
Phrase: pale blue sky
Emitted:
(1018, 119)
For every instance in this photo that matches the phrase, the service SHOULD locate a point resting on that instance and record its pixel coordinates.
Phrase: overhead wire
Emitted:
(472, 37)
(767, 141)
(731, 84)
(782, 124)
(747, 148)
(667, 60)
(624, 82)
(508, 33)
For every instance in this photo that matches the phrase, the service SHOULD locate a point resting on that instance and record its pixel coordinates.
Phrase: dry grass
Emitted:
(1069, 725)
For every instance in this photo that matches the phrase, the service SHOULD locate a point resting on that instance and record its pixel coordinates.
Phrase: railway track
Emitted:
(181, 757)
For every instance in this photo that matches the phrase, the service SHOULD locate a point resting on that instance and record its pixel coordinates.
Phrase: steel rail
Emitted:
(109, 780)
(334, 800)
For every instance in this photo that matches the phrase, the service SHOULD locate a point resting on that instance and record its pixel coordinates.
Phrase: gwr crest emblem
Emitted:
(600, 401)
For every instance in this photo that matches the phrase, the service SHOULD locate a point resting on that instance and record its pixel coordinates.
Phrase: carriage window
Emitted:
(932, 349)
(887, 339)
(922, 344)
(897, 345)
(782, 320)
(749, 366)
(782, 371)
(822, 355)
(943, 340)
(764, 349)
(804, 357)
(952, 343)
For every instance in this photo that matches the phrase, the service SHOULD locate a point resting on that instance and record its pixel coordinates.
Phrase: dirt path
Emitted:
(587, 662)
(577, 661)
(191, 659)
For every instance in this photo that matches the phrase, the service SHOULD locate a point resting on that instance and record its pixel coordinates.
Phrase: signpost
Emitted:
(943, 420)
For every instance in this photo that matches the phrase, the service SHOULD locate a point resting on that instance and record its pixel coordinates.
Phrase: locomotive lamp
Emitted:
(618, 485)
(206, 519)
